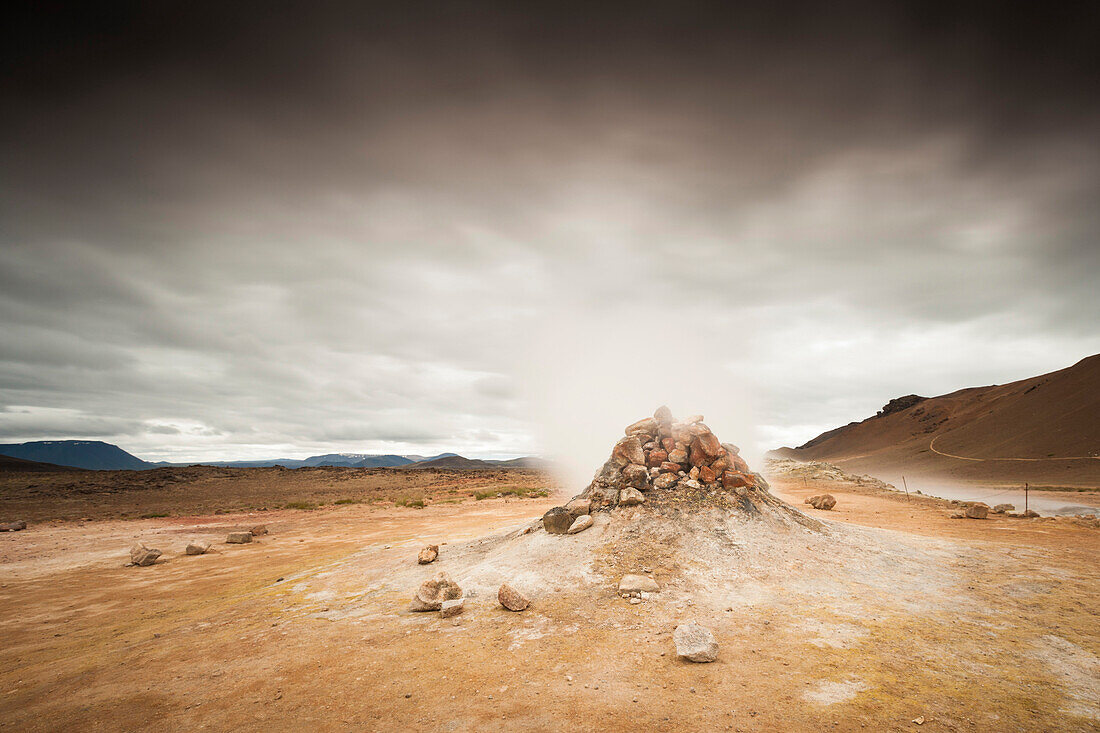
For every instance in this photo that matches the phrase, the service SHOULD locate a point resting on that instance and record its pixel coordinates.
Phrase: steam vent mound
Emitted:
(665, 463)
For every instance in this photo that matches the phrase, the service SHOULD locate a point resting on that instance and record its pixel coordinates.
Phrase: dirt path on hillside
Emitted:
(932, 447)
(307, 628)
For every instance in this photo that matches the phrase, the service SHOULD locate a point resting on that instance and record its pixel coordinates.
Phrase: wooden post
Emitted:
(906, 488)
(1025, 497)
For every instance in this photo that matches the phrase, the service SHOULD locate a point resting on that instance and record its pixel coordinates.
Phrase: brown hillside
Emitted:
(1042, 430)
(9, 463)
(456, 463)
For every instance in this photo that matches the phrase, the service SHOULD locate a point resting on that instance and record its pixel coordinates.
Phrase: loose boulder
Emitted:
(197, 547)
(695, 643)
(143, 556)
(977, 510)
(428, 555)
(580, 524)
(452, 607)
(511, 598)
(558, 520)
(13, 526)
(238, 538)
(824, 502)
(258, 530)
(631, 497)
(1002, 508)
(433, 592)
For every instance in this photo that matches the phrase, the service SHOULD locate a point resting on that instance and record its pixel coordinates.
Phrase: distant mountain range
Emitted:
(100, 456)
(93, 454)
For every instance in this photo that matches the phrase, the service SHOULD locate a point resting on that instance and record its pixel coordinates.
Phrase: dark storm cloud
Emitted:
(260, 228)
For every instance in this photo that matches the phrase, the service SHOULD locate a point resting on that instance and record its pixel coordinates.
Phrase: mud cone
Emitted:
(665, 462)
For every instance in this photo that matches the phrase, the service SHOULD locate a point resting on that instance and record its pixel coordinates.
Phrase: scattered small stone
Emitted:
(197, 547)
(631, 497)
(451, 607)
(580, 524)
(511, 598)
(919, 720)
(638, 583)
(695, 643)
(238, 538)
(635, 601)
(142, 556)
(824, 502)
(977, 510)
(428, 555)
(433, 592)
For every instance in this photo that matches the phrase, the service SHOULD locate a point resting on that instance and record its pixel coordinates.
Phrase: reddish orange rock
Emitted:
(706, 475)
(720, 464)
(629, 450)
(668, 444)
(648, 426)
(708, 444)
(668, 467)
(678, 456)
(734, 479)
(699, 457)
(656, 458)
(739, 464)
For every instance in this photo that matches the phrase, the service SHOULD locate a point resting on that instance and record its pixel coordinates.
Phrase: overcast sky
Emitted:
(227, 233)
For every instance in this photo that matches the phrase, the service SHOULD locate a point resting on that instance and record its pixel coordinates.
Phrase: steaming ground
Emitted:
(972, 625)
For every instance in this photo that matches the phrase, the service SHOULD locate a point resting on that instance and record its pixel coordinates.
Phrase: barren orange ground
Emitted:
(219, 642)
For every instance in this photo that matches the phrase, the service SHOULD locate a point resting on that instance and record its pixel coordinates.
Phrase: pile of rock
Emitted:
(664, 454)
